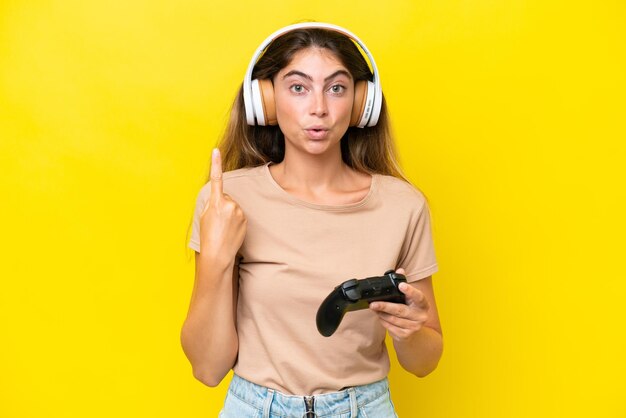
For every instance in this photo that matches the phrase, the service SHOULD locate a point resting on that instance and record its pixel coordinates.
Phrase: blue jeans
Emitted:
(249, 400)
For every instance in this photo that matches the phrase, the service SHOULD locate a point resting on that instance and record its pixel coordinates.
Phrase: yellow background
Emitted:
(509, 115)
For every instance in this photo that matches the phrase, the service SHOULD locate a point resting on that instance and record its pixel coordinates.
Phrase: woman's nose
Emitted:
(318, 104)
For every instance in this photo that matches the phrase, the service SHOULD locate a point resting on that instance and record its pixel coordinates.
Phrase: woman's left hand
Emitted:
(402, 321)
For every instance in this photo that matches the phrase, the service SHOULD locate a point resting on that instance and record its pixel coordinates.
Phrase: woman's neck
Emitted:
(311, 172)
(321, 180)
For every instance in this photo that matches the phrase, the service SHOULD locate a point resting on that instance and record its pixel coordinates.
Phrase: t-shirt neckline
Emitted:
(300, 202)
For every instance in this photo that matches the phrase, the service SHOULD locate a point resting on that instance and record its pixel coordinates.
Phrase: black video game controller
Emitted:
(354, 294)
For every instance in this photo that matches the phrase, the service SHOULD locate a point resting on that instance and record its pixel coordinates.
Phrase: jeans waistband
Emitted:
(331, 403)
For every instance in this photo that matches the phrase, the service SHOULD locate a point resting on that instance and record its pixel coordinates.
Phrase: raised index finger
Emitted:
(216, 174)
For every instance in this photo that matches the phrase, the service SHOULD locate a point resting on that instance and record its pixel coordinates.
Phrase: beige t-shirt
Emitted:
(294, 254)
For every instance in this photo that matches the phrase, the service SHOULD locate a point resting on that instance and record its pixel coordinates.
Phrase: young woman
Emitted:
(305, 193)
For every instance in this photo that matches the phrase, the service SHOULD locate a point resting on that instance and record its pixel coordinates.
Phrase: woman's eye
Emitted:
(337, 89)
(297, 88)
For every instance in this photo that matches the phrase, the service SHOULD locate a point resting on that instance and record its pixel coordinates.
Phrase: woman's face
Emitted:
(314, 95)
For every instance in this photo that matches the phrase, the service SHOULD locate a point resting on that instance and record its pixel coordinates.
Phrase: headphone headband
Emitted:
(247, 81)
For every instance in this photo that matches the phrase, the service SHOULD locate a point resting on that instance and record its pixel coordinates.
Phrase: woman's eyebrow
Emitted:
(308, 77)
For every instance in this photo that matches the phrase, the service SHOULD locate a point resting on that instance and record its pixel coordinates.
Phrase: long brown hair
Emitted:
(369, 150)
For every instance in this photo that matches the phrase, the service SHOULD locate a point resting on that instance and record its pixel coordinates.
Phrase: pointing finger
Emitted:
(216, 174)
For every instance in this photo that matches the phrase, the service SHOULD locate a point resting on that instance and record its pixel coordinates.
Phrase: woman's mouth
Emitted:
(316, 133)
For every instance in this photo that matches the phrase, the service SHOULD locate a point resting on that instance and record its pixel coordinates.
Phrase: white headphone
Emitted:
(258, 95)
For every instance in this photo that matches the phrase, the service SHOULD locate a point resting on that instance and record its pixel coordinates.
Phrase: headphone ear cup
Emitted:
(257, 103)
(360, 94)
(263, 102)
(269, 104)
(363, 103)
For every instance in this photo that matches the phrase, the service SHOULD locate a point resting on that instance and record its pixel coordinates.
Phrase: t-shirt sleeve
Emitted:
(417, 256)
(194, 241)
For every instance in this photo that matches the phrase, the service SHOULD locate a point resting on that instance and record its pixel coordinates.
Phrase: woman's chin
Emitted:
(317, 147)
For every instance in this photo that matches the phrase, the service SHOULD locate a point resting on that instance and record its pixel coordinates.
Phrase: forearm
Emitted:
(420, 353)
(209, 334)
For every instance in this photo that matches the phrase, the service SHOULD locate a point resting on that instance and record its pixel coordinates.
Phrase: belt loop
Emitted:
(354, 406)
(268, 403)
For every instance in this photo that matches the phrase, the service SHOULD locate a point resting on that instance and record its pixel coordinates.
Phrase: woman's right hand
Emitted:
(222, 222)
